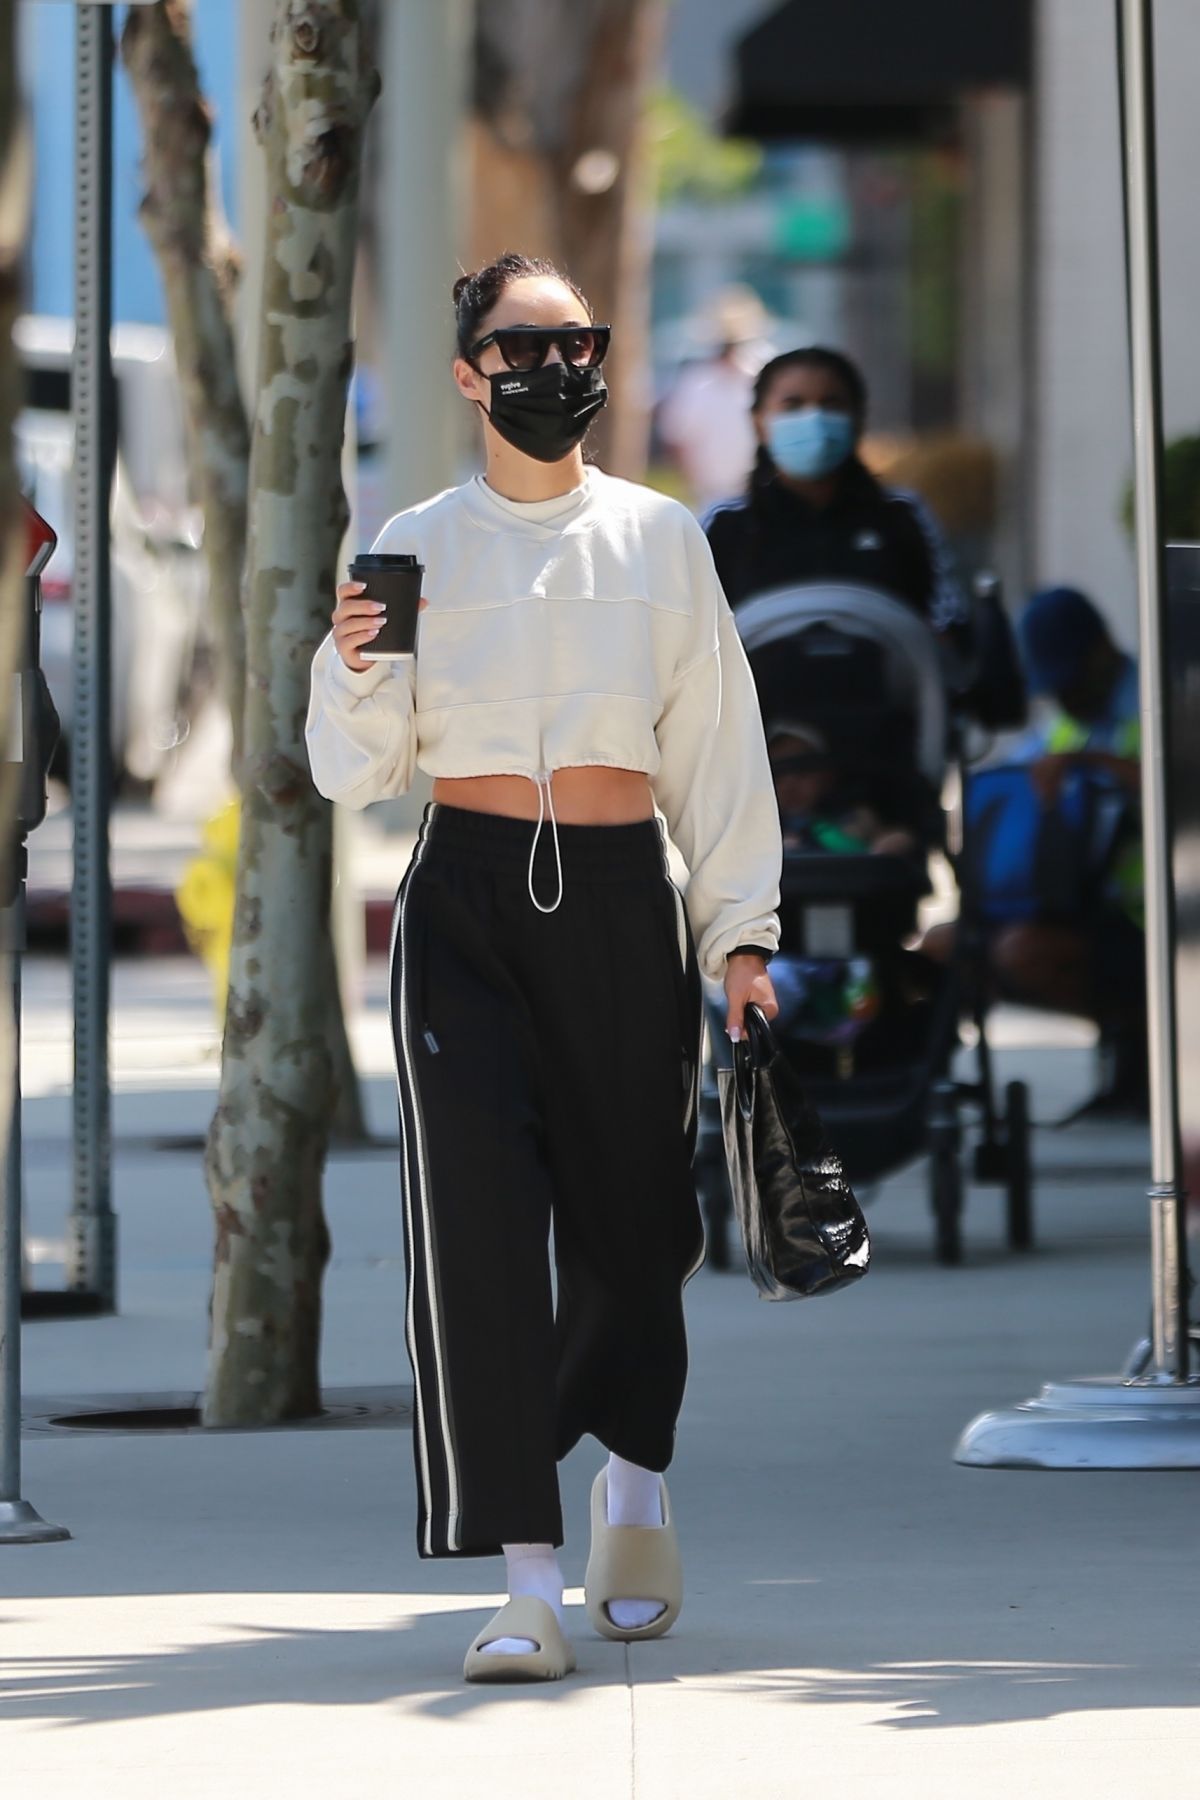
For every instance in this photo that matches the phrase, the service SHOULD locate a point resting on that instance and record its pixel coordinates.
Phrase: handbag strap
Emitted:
(752, 1052)
(759, 1035)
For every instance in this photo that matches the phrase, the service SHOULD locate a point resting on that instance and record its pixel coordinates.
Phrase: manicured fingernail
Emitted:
(376, 631)
(735, 1034)
(379, 606)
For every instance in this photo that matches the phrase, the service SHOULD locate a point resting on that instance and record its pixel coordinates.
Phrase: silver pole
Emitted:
(1167, 1222)
(19, 1523)
(91, 1248)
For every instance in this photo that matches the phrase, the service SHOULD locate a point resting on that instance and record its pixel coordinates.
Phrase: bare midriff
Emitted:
(582, 796)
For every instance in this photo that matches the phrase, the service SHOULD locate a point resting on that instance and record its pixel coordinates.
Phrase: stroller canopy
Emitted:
(909, 652)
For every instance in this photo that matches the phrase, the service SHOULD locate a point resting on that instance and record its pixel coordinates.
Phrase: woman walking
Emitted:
(576, 662)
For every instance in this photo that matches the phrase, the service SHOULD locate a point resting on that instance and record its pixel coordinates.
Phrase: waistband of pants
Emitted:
(590, 853)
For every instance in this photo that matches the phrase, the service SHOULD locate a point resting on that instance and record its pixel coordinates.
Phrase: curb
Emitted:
(146, 922)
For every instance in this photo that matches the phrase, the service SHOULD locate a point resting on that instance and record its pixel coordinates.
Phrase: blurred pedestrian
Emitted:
(576, 662)
(812, 511)
(705, 419)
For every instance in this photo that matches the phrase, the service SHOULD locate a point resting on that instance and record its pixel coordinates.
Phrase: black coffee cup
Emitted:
(396, 581)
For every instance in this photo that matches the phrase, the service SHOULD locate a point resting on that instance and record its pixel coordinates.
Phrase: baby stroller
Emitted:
(854, 696)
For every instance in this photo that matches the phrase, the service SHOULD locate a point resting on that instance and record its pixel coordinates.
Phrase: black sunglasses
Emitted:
(526, 347)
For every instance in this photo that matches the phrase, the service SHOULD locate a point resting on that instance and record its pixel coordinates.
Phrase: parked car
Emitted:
(159, 578)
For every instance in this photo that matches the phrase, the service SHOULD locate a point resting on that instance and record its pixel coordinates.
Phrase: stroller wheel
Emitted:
(946, 1194)
(1018, 1173)
(945, 1172)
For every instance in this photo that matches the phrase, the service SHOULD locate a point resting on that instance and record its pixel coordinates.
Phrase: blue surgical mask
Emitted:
(810, 443)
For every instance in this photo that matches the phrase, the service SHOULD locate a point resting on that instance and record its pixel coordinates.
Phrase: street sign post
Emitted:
(92, 1234)
(35, 731)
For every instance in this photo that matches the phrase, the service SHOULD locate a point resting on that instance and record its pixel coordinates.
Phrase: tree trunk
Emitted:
(268, 1138)
(604, 203)
(199, 266)
(559, 168)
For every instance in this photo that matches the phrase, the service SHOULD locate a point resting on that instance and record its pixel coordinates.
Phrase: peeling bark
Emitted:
(561, 88)
(268, 1138)
(199, 265)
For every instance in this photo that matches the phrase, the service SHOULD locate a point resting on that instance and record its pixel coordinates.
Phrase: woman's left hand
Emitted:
(747, 981)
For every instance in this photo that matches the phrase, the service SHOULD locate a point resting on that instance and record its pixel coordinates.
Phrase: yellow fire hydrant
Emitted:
(205, 898)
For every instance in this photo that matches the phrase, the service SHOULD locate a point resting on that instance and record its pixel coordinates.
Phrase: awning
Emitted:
(874, 69)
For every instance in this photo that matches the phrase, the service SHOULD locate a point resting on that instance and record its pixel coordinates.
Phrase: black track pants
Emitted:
(547, 1070)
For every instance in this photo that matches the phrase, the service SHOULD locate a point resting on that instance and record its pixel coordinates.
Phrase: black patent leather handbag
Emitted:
(803, 1230)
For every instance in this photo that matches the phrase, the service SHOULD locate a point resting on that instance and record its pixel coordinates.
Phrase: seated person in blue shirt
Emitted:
(1090, 962)
(1071, 658)
(1094, 966)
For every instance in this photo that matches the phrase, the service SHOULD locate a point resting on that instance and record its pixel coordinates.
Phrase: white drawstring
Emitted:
(542, 778)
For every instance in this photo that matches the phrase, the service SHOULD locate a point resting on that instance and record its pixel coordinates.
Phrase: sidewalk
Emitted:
(245, 1614)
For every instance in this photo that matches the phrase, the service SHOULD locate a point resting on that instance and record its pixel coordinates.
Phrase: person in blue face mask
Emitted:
(813, 511)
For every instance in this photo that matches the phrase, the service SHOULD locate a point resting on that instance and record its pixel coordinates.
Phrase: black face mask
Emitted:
(544, 413)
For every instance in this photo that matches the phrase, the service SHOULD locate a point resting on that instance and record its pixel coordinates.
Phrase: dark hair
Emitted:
(475, 295)
(810, 356)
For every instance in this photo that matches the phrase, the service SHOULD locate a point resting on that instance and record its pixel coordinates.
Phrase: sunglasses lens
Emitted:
(524, 350)
(526, 347)
(579, 348)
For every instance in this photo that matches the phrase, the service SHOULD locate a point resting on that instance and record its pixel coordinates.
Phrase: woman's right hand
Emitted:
(356, 620)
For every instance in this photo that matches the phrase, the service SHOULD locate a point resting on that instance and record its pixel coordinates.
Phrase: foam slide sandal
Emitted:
(529, 1618)
(632, 1562)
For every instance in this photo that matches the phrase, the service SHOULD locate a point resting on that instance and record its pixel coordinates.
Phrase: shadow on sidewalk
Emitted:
(965, 1674)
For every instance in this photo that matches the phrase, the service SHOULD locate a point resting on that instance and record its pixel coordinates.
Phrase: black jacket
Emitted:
(868, 533)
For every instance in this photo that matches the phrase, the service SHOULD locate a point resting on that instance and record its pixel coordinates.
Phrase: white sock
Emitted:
(634, 1498)
(533, 1573)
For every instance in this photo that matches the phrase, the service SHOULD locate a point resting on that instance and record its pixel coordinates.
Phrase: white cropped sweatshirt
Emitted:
(589, 629)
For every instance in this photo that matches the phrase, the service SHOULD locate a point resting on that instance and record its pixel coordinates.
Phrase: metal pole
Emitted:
(19, 1523)
(1167, 1213)
(91, 1248)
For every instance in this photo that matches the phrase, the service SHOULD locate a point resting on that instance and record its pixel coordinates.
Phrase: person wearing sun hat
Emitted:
(704, 421)
(1070, 657)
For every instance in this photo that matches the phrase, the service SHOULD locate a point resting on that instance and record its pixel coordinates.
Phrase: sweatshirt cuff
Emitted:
(762, 936)
(353, 682)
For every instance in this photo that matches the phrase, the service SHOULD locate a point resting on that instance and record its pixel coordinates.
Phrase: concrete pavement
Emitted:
(245, 1613)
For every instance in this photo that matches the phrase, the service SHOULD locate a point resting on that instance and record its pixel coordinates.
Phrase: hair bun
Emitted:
(475, 295)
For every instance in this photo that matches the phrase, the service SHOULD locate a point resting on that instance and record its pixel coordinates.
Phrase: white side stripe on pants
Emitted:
(401, 1037)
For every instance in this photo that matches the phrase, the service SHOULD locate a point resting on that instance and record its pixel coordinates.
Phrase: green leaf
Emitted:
(689, 160)
(1180, 495)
